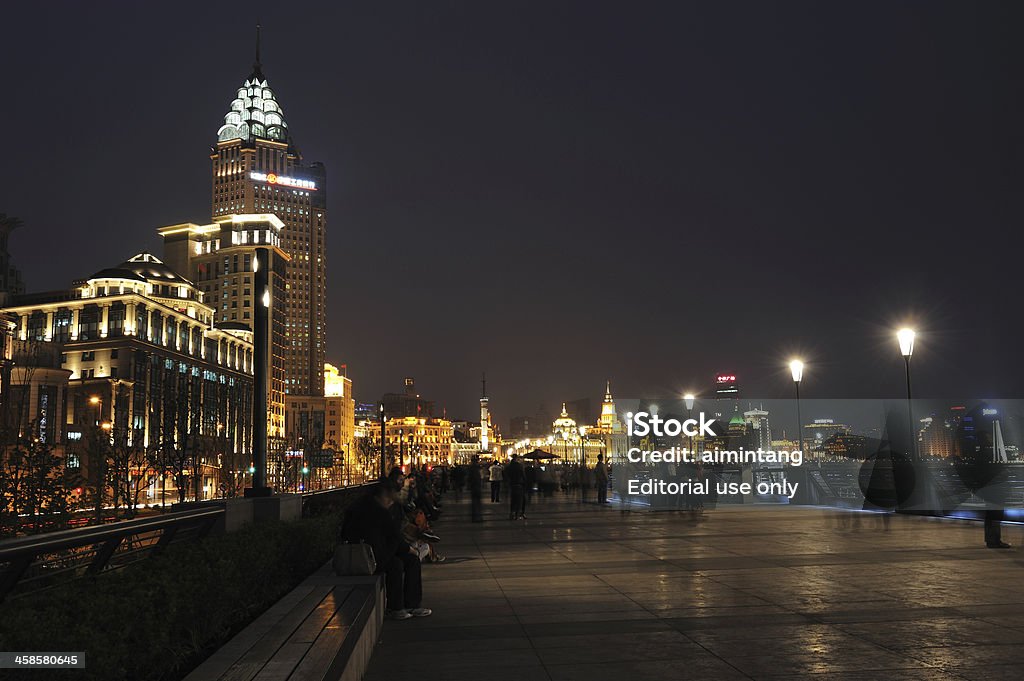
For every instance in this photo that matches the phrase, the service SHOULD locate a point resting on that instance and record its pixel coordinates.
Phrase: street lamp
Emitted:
(688, 400)
(796, 367)
(98, 403)
(905, 337)
(383, 461)
(583, 464)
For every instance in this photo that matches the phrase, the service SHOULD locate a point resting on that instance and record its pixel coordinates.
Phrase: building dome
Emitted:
(254, 112)
(117, 273)
(564, 424)
(149, 268)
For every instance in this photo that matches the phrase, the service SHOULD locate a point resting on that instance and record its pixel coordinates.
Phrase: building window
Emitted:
(115, 320)
(62, 326)
(37, 326)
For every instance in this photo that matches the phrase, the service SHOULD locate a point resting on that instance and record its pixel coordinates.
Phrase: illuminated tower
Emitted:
(257, 169)
(608, 416)
(485, 416)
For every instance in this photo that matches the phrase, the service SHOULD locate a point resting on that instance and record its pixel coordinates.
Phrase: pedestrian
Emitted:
(584, 482)
(476, 490)
(978, 467)
(601, 480)
(531, 478)
(495, 475)
(516, 477)
(459, 480)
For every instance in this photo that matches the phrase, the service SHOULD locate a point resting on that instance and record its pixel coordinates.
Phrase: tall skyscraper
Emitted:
(758, 419)
(257, 169)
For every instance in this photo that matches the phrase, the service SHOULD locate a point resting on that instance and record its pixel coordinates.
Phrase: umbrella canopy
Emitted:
(538, 454)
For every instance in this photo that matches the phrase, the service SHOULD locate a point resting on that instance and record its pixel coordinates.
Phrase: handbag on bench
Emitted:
(352, 560)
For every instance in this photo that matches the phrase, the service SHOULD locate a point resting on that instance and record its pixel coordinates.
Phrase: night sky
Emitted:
(560, 193)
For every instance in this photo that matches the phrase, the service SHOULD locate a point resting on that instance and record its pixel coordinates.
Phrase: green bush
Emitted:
(156, 620)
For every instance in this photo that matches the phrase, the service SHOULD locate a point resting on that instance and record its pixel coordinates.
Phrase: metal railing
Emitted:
(331, 500)
(41, 561)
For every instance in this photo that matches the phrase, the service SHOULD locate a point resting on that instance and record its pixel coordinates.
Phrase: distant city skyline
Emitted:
(514, 192)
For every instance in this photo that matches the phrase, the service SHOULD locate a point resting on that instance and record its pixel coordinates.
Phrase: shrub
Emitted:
(157, 619)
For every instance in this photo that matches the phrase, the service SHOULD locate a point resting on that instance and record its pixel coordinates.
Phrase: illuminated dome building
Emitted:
(565, 426)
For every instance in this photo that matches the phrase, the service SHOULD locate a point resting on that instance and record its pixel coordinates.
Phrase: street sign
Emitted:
(323, 458)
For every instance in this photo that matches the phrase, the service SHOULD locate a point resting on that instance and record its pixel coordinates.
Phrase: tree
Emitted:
(132, 466)
(98, 468)
(35, 487)
(35, 484)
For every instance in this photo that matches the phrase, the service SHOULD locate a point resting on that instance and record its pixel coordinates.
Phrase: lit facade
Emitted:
(611, 429)
(760, 429)
(324, 423)
(221, 259)
(817, 433)
(257, 169)
(415, 440)
(137, 348)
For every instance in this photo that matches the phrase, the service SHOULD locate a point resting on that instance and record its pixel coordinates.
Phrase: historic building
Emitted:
(257, 169)
(137, 350)
(611, 429)
(414, 440)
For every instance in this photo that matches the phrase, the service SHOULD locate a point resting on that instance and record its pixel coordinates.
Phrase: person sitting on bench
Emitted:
(370, 520)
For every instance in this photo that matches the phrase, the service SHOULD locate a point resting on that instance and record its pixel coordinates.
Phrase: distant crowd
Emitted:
(395, 518)
(522, 482)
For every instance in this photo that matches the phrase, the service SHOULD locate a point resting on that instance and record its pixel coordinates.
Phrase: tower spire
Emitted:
(257, 67)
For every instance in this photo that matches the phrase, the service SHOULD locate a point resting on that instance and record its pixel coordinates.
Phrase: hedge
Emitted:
(158, 619)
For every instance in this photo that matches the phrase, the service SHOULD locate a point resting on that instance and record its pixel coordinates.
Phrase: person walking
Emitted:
(459, 481)
(476, 490)
(601, 480)
(516, 478)
(495, 475)
(530, 471)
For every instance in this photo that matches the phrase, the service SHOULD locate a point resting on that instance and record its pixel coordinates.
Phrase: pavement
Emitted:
(580, 591)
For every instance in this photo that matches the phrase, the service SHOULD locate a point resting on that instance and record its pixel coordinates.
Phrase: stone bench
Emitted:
(323, 630)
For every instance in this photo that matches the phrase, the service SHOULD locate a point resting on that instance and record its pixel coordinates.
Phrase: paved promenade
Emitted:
(589, 593)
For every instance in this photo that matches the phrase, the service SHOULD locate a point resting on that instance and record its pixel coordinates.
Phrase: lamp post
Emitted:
(905, 337)
(98, 403)
(98, 459)
(583, 464)
(796, 367)
(688, 400)
(383, 462)
(261, 268)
